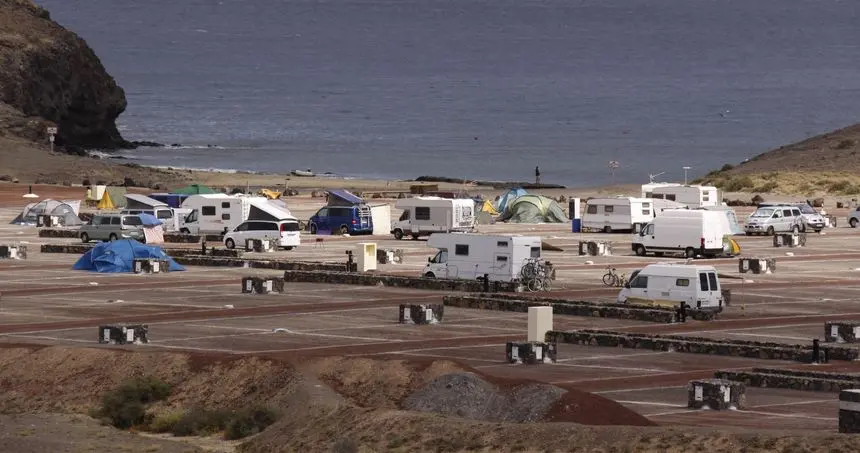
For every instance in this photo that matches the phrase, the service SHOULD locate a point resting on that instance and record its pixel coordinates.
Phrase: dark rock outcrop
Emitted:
(50, 76)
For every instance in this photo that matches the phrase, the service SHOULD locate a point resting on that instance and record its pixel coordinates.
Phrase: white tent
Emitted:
(66, 211)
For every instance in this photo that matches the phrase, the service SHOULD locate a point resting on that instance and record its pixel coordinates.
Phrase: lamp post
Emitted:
(52, 131)
(613, 165)
(685, 174)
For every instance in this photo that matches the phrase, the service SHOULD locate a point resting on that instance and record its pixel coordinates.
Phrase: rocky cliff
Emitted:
(50, 76)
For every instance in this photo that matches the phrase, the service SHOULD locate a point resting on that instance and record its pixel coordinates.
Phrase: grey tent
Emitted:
(533, 209)
(66, 211)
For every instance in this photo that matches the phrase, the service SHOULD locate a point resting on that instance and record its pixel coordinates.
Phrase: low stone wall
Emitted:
(179, 238)
(200, 260)
(561, 307)
(213, 237)
(355, 278)
(786, 379)
(65, 248)
(210, 252)
(694, 345)
(57, 233)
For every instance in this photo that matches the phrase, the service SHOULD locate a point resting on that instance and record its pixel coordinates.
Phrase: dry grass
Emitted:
(805, 184)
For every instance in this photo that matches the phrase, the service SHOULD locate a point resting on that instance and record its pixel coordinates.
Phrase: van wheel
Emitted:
(853, 223)
(640, 250)
(288, 248)
(112, 237)
(430, 275)
(344, 230)
(398, 234)
(230, 244)
(770, 231)
(414, 237)
(185, 231)
(607, 229)
(313, 229)
(85, 237)
(690, 252)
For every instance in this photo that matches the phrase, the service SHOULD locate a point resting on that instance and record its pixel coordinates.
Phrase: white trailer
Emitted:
(423, 216)
(469, 256)
(617, 214)
(220, 213)
(689, 196)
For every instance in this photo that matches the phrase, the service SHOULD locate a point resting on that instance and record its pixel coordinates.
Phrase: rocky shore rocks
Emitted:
(50, 77)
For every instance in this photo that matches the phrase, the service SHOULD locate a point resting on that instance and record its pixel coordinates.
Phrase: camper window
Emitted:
(502, 259)
(706, 196)
(703, 281)
(646, 208)
(682, 282)
(225, 216)
(461, 249)
(641, 281)
(104, 221)
(115, 220)
(208, 211)
(405, 215)
(501, 243)
(592, 209)
(131, 220)
(712, 278)
(535, 252)
(225, 204)
(165, 214)
(670, 196)
(658, 196)
(422, 213)
(608, 209)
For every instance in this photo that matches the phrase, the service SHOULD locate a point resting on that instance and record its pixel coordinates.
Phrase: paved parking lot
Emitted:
(203, 310)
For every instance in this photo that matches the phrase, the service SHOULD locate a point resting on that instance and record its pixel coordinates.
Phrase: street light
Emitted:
(685, 174)
(52, 131)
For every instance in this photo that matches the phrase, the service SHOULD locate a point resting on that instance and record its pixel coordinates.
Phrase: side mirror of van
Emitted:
(627, 285)
(429, 259)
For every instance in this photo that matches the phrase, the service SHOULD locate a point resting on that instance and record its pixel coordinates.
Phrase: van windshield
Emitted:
(806, 209)
(763, 213)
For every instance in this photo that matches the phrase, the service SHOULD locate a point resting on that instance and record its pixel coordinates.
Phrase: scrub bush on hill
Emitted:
(126, 406)
(200, 422)
(250, 421)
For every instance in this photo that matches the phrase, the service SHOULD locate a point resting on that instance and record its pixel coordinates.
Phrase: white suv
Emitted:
(285, 232)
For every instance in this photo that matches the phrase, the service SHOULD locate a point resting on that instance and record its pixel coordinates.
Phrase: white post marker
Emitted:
(52, 131)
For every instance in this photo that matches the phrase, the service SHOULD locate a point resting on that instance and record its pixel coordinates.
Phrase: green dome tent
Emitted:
(194, 189)
(533, 209)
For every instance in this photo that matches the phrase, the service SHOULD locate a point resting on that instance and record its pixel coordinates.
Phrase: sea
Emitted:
(592, 92)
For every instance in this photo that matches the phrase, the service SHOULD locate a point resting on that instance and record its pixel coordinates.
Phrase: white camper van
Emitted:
(220, 213)
(423, 216)
(469, 256)
(689, 196)
(141, 204)
(617, 213)
(697, 286)
(692, 232)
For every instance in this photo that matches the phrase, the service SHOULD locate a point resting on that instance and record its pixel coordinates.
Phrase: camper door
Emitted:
(709, 290)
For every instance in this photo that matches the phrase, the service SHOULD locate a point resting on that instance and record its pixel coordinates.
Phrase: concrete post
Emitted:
(540, 322)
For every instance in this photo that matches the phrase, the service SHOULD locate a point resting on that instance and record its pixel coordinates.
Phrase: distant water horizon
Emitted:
(474, 89)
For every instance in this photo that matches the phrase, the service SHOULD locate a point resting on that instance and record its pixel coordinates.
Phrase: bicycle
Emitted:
(535, 276)
(610, 278)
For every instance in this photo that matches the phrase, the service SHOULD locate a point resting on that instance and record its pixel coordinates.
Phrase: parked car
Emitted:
(775, 219)
(110, 227)
(854, 217)
(342, 219)
(812, 219)
(697, 286)
(285, 231)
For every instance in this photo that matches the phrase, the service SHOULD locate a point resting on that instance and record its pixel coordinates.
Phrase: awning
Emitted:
(137, 201)
(264, 210)
(343, 198)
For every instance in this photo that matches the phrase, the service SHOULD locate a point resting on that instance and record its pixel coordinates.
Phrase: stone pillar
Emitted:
(849, 411)
(540, 322)
(842, 331)
(716, 394)
(150, 266)
(421, 314)
(756, 265)
(531, 352)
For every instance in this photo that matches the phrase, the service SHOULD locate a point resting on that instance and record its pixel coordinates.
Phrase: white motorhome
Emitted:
(690, 196)
(423, 216)
(469, 256)
(617, 213)
(697, 286)
(220, 213)
(692, 232)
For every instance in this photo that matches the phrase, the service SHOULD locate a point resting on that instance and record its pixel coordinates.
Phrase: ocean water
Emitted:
(474, 88)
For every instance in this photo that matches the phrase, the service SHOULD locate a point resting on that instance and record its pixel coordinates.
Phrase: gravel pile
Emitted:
(469, 396)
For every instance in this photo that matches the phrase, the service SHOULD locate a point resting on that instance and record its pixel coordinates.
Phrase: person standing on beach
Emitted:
(537, 175)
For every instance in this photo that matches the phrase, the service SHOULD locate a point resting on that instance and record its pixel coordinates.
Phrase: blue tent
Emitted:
(118, 256)
(508, 197)
(149, 220)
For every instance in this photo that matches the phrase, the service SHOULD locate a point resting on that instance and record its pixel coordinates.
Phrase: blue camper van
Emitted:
(346, 213)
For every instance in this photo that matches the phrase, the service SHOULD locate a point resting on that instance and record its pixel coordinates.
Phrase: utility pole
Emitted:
(685, 174)
(613, 165)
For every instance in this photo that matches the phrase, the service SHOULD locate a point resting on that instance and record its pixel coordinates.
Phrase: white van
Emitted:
(693, 232)
(775, 219)
(469, 256)
(697, 286)
(617, 214)
(423, 216)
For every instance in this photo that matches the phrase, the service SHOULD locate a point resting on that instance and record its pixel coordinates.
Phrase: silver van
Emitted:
(110, 227)
(775, 219)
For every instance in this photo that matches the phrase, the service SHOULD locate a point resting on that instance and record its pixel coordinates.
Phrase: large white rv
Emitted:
(689, 196)
(617, 214)
(423, 216)
(220, 213)
(469, 256)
